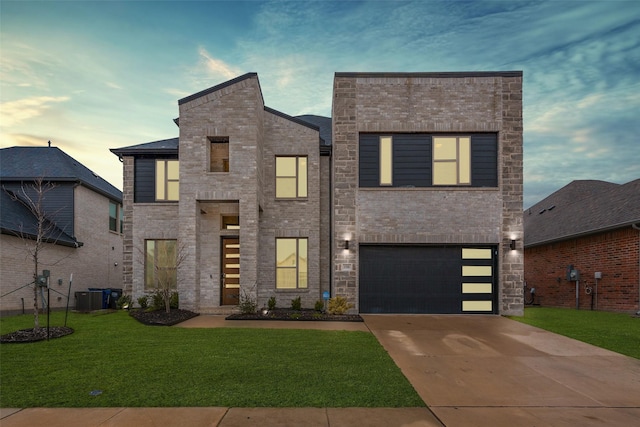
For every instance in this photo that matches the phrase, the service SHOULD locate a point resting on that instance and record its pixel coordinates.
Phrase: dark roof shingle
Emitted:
(580, 208)
(50, 163)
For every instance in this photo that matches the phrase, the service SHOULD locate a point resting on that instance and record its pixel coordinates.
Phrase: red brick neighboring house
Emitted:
(594, 226)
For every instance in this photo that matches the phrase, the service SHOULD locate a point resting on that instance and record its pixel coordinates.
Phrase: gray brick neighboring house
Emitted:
(405, 201)
(84, 239)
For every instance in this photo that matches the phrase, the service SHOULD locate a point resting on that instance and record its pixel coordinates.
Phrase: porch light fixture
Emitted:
(346, 244)
(513, 245)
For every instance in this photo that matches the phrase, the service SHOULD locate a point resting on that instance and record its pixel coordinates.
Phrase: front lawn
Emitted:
(113, 360)
(614, 331)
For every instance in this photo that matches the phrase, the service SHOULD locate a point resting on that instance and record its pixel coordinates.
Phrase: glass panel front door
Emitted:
(230, 281)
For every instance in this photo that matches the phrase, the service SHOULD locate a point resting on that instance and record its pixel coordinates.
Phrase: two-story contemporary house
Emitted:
(82, 228)
(407, 200)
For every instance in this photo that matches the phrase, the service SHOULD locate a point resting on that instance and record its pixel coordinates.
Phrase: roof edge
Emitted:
(442, 74)
(217, 87)
(582, 234)
(291, 118)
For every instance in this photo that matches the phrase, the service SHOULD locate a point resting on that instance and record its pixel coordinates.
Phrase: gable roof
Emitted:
(171, 145)
(220, 86)
(17, 220)
(51, 164)
(163, 146)
(322, 123)
(580, 208)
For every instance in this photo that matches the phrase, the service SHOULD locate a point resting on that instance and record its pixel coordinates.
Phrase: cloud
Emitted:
(216, 67)
(15, 112)
(113, 85)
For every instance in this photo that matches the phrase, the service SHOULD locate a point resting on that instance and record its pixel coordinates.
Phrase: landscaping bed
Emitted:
(161, 317)
(296, 315)
(33, 334)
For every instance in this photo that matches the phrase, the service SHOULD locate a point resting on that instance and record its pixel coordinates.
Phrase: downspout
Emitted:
(636, 227)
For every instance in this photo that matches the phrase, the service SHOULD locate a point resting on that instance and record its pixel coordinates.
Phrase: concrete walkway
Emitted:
(470, 370)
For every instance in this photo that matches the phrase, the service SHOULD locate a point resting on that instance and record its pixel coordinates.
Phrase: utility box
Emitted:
(88, 300)
(573, 275)
(597, 275)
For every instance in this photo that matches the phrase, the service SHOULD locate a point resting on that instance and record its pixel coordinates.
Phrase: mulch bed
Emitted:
(297, 315)
(35, 335)
(161, 317)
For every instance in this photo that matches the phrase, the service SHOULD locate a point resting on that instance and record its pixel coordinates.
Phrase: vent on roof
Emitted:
(550, 208)
(542, 211)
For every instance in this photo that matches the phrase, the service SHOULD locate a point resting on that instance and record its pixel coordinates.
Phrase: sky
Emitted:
(93, 75)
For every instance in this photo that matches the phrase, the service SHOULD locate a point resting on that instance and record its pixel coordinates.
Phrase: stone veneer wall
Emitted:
(127, 223)
(289, 218)
(237, 112)
(428, 103)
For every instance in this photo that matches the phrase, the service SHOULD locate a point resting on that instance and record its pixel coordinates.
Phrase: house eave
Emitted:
(581, 234)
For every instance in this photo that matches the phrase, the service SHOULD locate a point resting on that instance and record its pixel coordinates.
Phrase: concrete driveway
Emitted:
(493, 371)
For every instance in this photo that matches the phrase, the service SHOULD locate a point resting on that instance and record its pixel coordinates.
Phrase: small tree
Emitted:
(163, 257)
(32, 197)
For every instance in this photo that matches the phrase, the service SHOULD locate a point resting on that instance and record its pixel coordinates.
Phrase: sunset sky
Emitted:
(94, 75)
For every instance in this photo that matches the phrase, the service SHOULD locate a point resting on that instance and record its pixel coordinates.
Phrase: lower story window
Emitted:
(291, 263)
(160, 264)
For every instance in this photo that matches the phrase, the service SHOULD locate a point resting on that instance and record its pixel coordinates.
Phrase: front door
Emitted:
(230, 271)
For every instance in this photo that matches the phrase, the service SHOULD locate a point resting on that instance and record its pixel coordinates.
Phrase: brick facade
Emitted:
(428, 103)
(96, 264)
(335, 209)
(615, 254)
(256, 135)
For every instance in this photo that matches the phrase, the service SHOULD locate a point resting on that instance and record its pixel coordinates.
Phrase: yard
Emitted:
(618, 332)
(113, 360)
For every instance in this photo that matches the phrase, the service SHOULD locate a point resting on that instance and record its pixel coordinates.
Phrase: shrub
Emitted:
(338, 305)
(296, 304)
(143, 302)
(174, 301)
(157, 301)
(248, 304)
(271, 304)
(124, 301)
(319, 305)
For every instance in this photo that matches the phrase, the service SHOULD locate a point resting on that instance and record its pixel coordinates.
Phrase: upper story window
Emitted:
(426, 160)
(386, 160)
(218, 154)
(452, 160)
(167, 180)
(115, 217)
(291, 177)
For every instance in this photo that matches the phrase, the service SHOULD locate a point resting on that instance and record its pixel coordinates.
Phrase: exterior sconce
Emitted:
(346, 244)
(513, 245)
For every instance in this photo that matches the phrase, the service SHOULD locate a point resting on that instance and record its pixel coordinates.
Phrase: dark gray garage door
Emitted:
(427, 279)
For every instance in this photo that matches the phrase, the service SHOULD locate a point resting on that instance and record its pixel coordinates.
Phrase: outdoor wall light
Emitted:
(513, 245)
(346, 244)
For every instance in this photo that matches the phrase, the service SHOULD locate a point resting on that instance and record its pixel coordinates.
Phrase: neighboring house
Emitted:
(405, 202)
(84, 238)
(594, 227)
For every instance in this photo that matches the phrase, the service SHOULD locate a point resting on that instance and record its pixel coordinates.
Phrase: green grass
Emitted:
(143, 366)
(614, 331)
